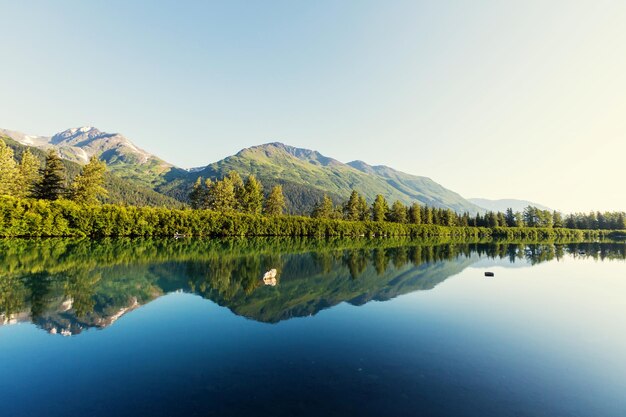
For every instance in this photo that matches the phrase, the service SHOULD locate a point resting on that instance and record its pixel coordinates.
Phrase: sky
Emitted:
(491, 99)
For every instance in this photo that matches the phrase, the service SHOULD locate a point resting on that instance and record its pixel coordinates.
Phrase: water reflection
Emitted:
(65, 286)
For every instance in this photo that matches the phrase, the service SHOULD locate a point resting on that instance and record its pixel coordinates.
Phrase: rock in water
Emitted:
(270, 278)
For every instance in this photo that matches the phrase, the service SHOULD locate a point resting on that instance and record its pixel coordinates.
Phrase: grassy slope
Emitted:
(298, 170)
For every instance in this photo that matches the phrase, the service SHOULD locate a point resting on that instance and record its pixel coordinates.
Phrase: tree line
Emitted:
(356, 208)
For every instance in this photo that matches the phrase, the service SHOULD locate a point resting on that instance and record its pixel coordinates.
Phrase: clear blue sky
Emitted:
(492, 99)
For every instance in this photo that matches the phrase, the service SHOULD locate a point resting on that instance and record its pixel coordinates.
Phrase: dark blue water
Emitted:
(372, 330)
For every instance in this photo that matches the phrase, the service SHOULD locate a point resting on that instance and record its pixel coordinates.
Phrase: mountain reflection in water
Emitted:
(66, 286)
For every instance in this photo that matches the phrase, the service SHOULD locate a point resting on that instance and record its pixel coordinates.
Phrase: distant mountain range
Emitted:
(503, 204)
(305, 175)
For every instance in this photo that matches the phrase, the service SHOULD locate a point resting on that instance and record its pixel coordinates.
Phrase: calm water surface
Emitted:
(368, 328)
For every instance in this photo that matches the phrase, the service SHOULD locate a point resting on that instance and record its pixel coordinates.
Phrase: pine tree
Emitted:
(222, 196)
(510, 217)
(364, 210)
(351, 208)
(197, 196)
(52, 183)
(557, 219)
(398, 212)
(28, 174)
(8, 170)
(450, 218)
(380, 208)
(238, 188)
(252, 197)
(415, 214)
(324, 209)
(88, 186)
(275, 202)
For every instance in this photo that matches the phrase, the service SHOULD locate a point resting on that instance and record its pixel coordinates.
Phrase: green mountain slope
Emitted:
(121, 190)
(306, 175)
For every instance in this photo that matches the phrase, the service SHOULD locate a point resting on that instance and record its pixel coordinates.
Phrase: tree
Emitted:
(415, 214)
(238, 188)
(380, 208)
(351, 210)
(531, 218)
(8, 170)
(198, 195)
(52, 183)
(398, 212)
(221, 195)
(509, 217)
(28, 174)
(324, 209)
(427, 215)
(252, 196)
(491, 219)
(364, 210)
(275, 202)
(88, 186)
(519, 219)
(557, 219)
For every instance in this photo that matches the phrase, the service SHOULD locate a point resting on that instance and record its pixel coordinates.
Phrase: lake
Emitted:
(303, 327)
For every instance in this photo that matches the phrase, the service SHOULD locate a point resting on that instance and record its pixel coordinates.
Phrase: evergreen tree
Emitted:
(450, 218)
(530, 216)
(510, 217)
(88, 186)
(238, 188)
(8, 170)
(491, 219)
(324, 209)
(427, 215)
(28, 174)
(221, 196)
(557, 219)
(197, 197)
(364, 210)
(351, 210)
(252, 197)
(398, 212)
(275, 202)
(501, 218)
(380, 208)
(51, 186)
(415, 214)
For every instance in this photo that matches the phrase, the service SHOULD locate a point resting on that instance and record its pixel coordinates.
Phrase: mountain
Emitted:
(306, 175)
(121, 155)
(503, 204)
(120, 190)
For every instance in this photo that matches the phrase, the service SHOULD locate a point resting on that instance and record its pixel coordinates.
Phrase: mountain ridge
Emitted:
(276, 162)
(503, 204)
(305, 174)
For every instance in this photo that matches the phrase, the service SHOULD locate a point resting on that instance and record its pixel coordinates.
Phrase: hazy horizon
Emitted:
(491, 100)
